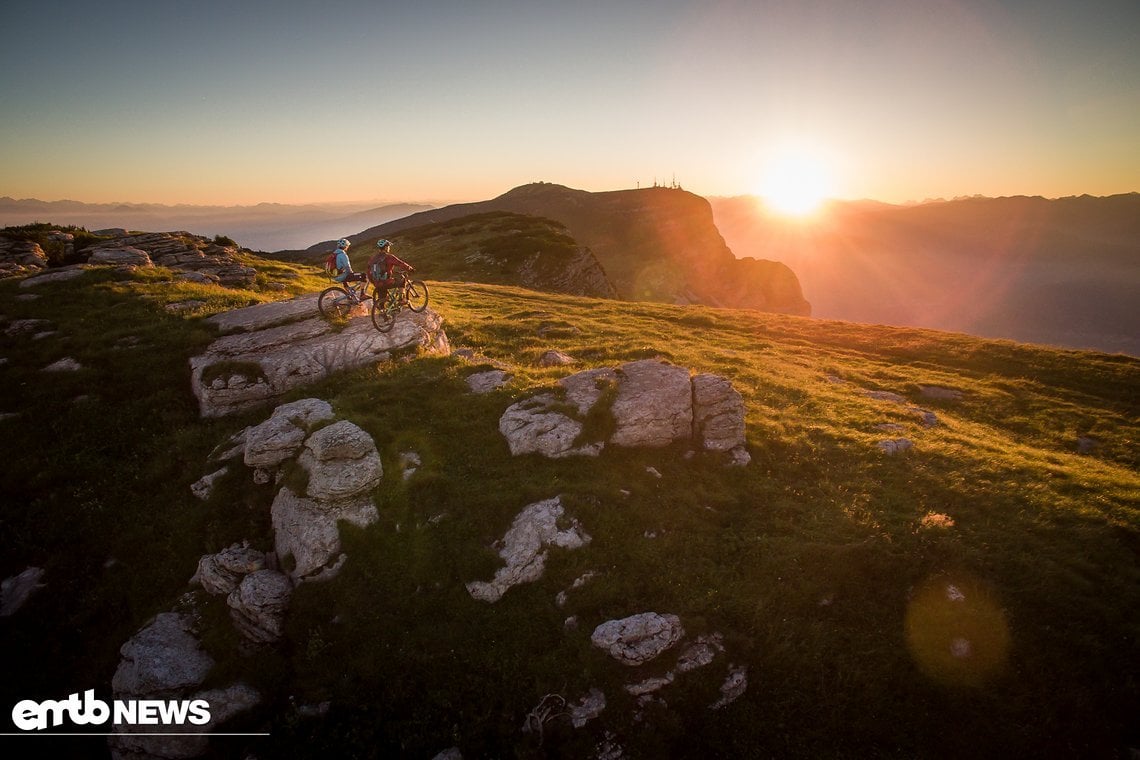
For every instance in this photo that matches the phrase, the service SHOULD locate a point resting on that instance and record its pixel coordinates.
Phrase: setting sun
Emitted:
(796, 183)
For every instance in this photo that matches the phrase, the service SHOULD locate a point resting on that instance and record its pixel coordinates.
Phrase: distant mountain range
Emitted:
(1064, 272)
(655, 244)
(264, 227)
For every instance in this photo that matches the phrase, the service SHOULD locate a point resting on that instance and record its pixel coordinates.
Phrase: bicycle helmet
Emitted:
(343, 243)
(382, 243)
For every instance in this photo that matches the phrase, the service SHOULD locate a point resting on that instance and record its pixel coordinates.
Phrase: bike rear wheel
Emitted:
(417, 293)
(335, 303)
(382, 317)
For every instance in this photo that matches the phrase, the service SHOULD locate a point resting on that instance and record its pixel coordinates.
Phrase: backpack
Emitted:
(330, 265)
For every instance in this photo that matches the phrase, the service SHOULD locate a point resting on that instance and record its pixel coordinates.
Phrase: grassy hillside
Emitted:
(841, 577)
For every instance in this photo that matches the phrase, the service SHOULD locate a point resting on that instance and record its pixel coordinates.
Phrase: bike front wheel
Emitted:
(417, 293)
(335, 303)
(382, 318)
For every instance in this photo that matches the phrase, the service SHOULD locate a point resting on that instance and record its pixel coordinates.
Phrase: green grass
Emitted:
(812, 562)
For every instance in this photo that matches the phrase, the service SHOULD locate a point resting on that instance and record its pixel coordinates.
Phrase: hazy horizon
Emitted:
(238, 104)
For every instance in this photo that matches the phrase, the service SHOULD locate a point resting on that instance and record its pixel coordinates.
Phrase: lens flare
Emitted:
(956, 631)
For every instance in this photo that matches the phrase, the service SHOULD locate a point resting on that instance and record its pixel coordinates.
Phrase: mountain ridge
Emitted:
(656, 244)
(1062, 271)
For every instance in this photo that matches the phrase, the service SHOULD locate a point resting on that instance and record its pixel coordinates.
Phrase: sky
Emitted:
(286, 101)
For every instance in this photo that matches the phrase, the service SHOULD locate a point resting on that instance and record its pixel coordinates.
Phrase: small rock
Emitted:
(555, 359)
(1087, 444)
(649, 685)
(15, 591)
(203, 488)
(895, 446)
(733, 687)
(66, 364)
(222, 572)
(893, 398)
(939, 393)
(588, 708)
(485, 382)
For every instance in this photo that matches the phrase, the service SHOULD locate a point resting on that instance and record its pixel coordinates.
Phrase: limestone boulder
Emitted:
(539, 425)
(637, 639)
(222, 572)
(164, 659)
(273, 349)
(282, 436)
(524, 547)
(342, 462)
(15, 591)
(718, 413)
(654, 405)
(121, 256)
(258, 604)
(305, 533)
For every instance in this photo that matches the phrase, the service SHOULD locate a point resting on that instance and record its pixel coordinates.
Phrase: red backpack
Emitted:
(330, 265)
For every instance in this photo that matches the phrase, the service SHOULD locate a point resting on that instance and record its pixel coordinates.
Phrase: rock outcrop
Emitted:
(270, 349)
(182, 251)
(649, 403)
(524, 548)
(637, 639)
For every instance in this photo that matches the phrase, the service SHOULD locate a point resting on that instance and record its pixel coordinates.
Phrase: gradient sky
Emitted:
(248, 101)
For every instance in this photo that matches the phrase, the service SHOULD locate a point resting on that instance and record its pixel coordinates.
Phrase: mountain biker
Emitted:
(343, 265)
(381, 269)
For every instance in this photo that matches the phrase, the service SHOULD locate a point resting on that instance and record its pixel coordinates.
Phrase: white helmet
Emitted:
(343, 243)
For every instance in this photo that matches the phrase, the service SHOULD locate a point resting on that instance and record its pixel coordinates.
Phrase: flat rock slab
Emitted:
(270, 349)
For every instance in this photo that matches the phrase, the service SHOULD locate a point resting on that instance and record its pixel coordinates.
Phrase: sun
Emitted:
(796, 183)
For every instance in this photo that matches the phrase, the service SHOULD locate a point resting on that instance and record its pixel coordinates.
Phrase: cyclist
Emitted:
(344, 266)
(381, 269)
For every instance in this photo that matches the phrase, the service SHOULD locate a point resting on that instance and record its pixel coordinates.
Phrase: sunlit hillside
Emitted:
(974, 595)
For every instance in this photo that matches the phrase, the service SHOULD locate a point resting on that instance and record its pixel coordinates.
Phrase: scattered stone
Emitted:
(66, 364)
(203, 488)
(485, 382)
(895, 446)
(555, 359)
(15, 591)
(1087, 444)
(890, 427)
(257, 605)
(925, 418)
(222, 572)
(588, 708)
(654, 472)
(451, 753)
(733, 687)
(639, 638)
(700, 653)
(739, 457)
(939, 393)
(409, 463)
(893, 398)
(649, 685)
(19, 327)
(198, 278)
(183, 306)
(524, 548)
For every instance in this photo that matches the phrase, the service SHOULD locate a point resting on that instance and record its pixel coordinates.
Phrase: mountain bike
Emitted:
(406, 293)
(338, 301)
